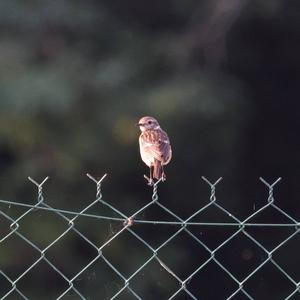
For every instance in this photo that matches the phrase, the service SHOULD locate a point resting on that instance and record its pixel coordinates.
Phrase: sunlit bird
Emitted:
(155, 148)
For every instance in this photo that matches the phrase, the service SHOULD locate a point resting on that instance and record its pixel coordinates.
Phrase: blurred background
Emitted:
(222, 78)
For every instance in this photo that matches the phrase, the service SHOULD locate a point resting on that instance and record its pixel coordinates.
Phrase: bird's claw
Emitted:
(150, 180)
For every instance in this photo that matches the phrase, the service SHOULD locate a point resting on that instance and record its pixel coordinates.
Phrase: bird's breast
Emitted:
(146, 155)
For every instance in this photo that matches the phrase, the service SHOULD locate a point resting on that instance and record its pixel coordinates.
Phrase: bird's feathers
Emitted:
(155, 143)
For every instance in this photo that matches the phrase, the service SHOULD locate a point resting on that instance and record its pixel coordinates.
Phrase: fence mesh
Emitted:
(153, 262)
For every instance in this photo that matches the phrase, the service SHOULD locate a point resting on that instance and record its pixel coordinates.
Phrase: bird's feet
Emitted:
(149, 180)
(163, 177)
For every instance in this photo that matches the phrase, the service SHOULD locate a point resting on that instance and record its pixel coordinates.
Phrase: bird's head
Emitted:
(146, 123)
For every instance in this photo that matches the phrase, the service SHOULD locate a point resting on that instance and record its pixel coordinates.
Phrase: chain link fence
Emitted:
(127, 263)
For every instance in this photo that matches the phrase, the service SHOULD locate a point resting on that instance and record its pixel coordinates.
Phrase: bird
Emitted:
(155, 148)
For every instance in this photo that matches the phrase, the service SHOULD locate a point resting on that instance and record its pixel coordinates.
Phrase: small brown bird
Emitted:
(155, 147)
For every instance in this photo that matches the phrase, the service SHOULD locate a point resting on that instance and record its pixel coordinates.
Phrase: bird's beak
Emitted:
(139, 124)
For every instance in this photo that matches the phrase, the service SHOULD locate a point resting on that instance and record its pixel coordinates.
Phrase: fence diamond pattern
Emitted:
(14, 288)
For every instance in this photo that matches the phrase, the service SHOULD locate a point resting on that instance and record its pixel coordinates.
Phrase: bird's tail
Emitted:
(157, 170)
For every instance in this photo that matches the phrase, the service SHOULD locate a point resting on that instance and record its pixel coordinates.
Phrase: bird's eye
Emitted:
(149, 122)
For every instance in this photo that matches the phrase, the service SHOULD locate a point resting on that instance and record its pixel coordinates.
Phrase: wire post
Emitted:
(212, 187)
(270, 187)
(98, 184)
(39, 187)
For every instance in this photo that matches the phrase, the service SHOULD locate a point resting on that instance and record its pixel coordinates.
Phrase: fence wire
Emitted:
(69, 285)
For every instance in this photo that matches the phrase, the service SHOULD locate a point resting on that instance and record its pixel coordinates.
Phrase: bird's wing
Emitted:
(156, 142)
